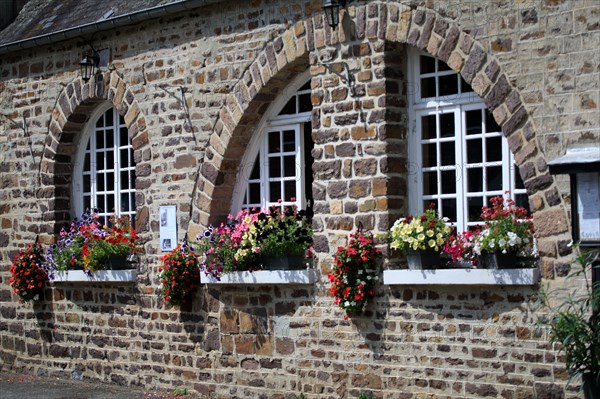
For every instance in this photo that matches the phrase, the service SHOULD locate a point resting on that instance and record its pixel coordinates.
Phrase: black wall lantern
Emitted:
(88, 65)
(332, 11)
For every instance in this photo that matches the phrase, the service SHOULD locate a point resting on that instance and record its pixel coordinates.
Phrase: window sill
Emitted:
(271, 277)
(529, 276)
(99, 276)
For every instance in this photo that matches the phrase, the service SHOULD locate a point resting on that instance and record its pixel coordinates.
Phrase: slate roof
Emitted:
(45, 17)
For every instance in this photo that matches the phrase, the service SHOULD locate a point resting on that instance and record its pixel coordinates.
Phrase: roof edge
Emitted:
(122, 20)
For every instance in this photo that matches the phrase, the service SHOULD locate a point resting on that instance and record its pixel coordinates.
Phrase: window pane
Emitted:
(110, 204)
(490, 123)
(474, 151)
(290, 107)
(274, 144)
(289, 166)
(430, 183)
(100, 203)
(87, 184)
(124, 136)
(305, 86)
(518, 180)
(254, 189)
(464, 86)
(448, 85)
(255, 174)
(429, 155)
(124, 177)
(110, 136)
(447, 153)
(274, 167)
(304, 103)
(448, 182)
(86, 162)
(428, 127)
(494, 178)
(449, 208)
(289, 140)
(274, 191)
(110, 181)
(442, 66)
(99, 139)
(493, 149)
(100, 160)
(123, 153)
(474, 208)
(87, 202)
(125, 202)
(475, 180)
(427, 64)
(109, 116)
(522, 201)
(428, 87)
(290, 190)
(447, 126)
(473, 121)
(100, 186)
(110, 160)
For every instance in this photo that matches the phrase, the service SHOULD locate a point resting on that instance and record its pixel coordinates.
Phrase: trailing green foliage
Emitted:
(574, 322)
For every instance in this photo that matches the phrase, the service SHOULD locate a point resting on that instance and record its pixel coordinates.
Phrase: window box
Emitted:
(308, 276)
(528, 276)
(99, 276)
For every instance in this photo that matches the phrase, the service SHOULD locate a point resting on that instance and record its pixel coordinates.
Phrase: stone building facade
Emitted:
(193, 81)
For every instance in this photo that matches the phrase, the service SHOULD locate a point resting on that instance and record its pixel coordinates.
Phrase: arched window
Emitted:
(277, 167)
(458, 153)
(104, 175)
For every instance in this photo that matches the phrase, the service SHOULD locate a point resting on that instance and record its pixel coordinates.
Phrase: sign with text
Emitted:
(168, 227)
(588, 206)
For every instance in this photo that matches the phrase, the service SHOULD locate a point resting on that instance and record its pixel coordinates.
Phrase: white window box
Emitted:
(462, 277)
(308, 276)
(99, 276)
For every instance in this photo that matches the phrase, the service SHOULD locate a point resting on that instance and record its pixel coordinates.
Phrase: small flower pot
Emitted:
(419, 260)
(283, 263)
(497, 260)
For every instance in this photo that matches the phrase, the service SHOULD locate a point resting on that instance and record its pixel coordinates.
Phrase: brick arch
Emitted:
(388, 21)
(73, 107)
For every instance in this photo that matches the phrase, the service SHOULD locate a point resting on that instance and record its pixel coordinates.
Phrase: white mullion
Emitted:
(264, 192)
(93, 171)
(117, 164)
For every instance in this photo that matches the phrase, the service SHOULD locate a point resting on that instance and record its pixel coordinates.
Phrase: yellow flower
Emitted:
(431, 243)
(421, 237)
(430, 233)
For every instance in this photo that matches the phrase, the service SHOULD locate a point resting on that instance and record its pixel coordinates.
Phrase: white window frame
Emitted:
(271, 121)
(89, 136)
(459, 104)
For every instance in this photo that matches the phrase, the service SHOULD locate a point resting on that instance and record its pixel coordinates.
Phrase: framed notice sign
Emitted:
(167, 216)
(588, 207)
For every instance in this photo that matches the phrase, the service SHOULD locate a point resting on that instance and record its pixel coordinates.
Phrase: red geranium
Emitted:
(27, 274)
(354, 273)
(180, 275)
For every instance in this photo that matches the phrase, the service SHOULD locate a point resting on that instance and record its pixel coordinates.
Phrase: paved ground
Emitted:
(21, 386)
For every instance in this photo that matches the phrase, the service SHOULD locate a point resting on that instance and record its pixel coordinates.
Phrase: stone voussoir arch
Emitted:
(389, 21)
(69, 117)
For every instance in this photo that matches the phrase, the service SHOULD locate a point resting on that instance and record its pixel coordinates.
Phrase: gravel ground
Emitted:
(22, 386)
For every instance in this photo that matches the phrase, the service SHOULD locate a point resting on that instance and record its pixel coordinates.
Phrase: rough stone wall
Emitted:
(536, 65)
